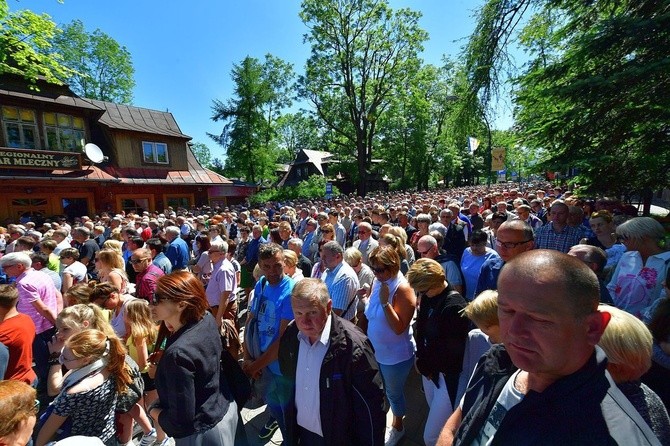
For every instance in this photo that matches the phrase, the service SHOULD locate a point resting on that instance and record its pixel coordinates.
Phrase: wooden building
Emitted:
(145, 162)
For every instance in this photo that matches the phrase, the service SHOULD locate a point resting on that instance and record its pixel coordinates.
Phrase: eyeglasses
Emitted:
(9, 266)
(210, 252)
(423, 253)
(136, 261)
(378, 269)
(510, 245)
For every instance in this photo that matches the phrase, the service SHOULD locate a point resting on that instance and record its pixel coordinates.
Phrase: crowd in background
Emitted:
(98, 305)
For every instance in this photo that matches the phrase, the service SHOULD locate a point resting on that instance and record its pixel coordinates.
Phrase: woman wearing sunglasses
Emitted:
(389, 313)
(195, 405)
(97, 371)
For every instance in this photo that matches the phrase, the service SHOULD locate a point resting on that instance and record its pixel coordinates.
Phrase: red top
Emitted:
(18, 333)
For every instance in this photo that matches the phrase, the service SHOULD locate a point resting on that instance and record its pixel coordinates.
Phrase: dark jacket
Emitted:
(352, 401)
(454, 242)
(584, 408)
(188, 380)
(441, 333)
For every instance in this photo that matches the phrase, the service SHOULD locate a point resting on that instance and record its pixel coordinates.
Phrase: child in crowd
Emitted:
(483, 312)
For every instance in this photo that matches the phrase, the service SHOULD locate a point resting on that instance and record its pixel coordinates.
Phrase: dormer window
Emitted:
(155, 152)
(20, 128)
(64, 133)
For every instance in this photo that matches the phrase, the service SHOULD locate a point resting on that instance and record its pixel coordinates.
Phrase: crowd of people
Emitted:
(531, 314)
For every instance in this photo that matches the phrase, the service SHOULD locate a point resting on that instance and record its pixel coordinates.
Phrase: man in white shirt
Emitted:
(320, 344)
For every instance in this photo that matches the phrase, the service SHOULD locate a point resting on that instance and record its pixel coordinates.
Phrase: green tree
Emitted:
(297, 131)
(593, 95)
(248, 136)
(601, 104)
(360, 51)
(26, 46)
(202, 154)
(104, 69)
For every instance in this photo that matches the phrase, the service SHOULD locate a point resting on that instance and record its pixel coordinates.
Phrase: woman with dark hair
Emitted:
(108, 297)
(604, 237)
(195, 404)
(202, 265)
(473, 258)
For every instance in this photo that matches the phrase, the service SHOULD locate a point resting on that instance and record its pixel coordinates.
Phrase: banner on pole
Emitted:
(473, 143)
(497, 159)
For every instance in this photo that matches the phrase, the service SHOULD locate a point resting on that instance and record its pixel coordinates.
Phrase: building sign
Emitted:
(39, 159)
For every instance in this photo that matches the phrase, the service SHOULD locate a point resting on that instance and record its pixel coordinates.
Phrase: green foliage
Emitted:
(103, 69)
(313, 187)
(26, 46)
(248, 136)
(602, 105)
(202, 154)
(361, 51)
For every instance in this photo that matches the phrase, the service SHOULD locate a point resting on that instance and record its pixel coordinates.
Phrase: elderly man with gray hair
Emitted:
(177, 250)
(221, 287)
(333, 361)
(341, 280)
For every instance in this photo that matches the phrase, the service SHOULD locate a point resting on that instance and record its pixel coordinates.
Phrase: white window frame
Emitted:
(154, 153)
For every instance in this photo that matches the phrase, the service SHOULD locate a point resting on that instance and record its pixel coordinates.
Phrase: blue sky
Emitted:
(183, 51)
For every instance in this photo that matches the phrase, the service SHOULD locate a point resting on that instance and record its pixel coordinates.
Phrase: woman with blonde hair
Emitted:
(97, 371)
(71, 321)
(397, 244)
(627, 342)
(291, 265)
(400, 232)
(440, 335)
(113, 244)
(111, 268)
(637, 280)
(18, 412)
(389, 314)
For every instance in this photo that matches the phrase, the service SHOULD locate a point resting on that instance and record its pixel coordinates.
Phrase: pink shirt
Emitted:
(35, 285)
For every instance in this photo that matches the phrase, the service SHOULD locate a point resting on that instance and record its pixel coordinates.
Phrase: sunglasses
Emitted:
(156, 299)
(379, 269)
(136, 261)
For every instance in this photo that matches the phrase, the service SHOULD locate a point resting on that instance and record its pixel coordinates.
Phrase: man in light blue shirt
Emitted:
(341, 280)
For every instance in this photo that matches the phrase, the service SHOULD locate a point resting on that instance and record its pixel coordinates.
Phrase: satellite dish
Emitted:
(94, 153)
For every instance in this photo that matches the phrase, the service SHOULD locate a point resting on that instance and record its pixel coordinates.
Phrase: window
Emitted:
(75, 207)
(137, 205)
(176, 202)
(155, 152)
(64, 133)
(20, 128)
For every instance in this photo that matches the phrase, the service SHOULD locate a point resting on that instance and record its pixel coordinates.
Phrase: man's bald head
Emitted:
(577, 283)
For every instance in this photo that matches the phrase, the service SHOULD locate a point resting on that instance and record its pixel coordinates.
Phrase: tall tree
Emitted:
(248, 136)
(202, 154)
(104, 69)
(601, 104)
(26, 46)
(360, 50)
(297, 131)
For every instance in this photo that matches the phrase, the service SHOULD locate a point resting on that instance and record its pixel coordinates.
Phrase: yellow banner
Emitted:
(497, 159)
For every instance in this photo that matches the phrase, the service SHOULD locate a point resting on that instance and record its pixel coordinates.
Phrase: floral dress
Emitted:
(91, 412)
